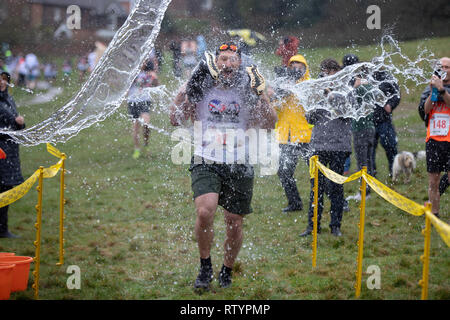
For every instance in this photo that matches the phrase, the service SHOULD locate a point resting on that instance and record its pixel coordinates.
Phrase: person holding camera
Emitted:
(435, 108)
(382, 117)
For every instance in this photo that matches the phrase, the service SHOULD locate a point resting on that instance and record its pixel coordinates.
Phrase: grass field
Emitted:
(130, 223)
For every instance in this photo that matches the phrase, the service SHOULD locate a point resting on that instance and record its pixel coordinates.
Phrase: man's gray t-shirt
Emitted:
(223, 116)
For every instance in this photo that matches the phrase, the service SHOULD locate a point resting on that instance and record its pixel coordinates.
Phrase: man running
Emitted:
(222, 94)
(139, 103)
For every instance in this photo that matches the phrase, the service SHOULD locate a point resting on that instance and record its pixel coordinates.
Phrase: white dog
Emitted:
(404, 162)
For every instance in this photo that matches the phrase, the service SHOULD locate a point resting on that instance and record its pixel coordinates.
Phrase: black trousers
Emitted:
(289, 155)
(385, 133)
(4, 211)
(335, 160)
(363, 143)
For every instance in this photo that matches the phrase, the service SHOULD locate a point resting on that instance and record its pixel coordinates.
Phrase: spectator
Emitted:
(10, 61)
(83, 67)
(92, 57)
(175, 47)
(201, 46)
(287, 48)
(382, 117)
(66, 69)
(189, 54)
(363, 129)
(50, 72)
(21, 72)
(3, 66)
(294, 133)
(331, 141)
(154, 58)
(10, 171)
(32, 70)
(435, 104)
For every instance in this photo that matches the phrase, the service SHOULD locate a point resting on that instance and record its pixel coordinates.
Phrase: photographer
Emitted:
(382, 117)
(435, 109)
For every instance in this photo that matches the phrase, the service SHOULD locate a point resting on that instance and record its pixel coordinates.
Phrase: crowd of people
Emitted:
(225, 90)
(27, 69)
(222, 78)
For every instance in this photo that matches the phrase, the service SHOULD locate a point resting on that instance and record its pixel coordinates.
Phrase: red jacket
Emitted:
(286, 51)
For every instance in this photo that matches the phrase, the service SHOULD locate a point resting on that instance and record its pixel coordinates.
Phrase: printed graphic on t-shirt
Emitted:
(224, 119)
(223, 112)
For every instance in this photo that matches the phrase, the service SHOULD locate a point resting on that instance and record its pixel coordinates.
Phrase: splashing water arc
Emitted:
(107, 86)
(109, 83)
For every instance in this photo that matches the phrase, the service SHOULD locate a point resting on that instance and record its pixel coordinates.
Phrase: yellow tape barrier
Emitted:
(388, 194)
(14, 194)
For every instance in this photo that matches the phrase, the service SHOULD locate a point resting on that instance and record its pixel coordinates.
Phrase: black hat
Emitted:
(349, 59)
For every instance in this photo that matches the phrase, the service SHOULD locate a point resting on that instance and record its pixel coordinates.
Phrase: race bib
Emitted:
(439, 124)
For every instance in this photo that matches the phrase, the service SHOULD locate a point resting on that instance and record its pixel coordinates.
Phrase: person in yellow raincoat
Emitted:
(293, 133)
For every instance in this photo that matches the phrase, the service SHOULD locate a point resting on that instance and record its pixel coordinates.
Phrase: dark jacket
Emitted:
(330, 135)
(10, 172)
(390, 89)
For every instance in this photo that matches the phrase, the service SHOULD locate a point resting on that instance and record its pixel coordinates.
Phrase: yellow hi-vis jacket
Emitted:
(292, 125)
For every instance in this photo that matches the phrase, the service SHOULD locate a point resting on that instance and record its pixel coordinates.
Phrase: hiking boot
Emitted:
(336, 231)
(224, 279)
(204, 278)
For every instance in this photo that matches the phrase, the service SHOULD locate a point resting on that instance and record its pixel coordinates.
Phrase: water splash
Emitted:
(341, 100)
(107, 86)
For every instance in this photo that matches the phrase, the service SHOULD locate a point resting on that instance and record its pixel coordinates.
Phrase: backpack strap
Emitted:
(257, 81)
(212, 66)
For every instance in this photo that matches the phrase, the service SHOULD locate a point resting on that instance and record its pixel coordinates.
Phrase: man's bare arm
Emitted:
(181, 110)
(264, 115)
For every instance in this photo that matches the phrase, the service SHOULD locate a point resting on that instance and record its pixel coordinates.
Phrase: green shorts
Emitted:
(233, 183)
